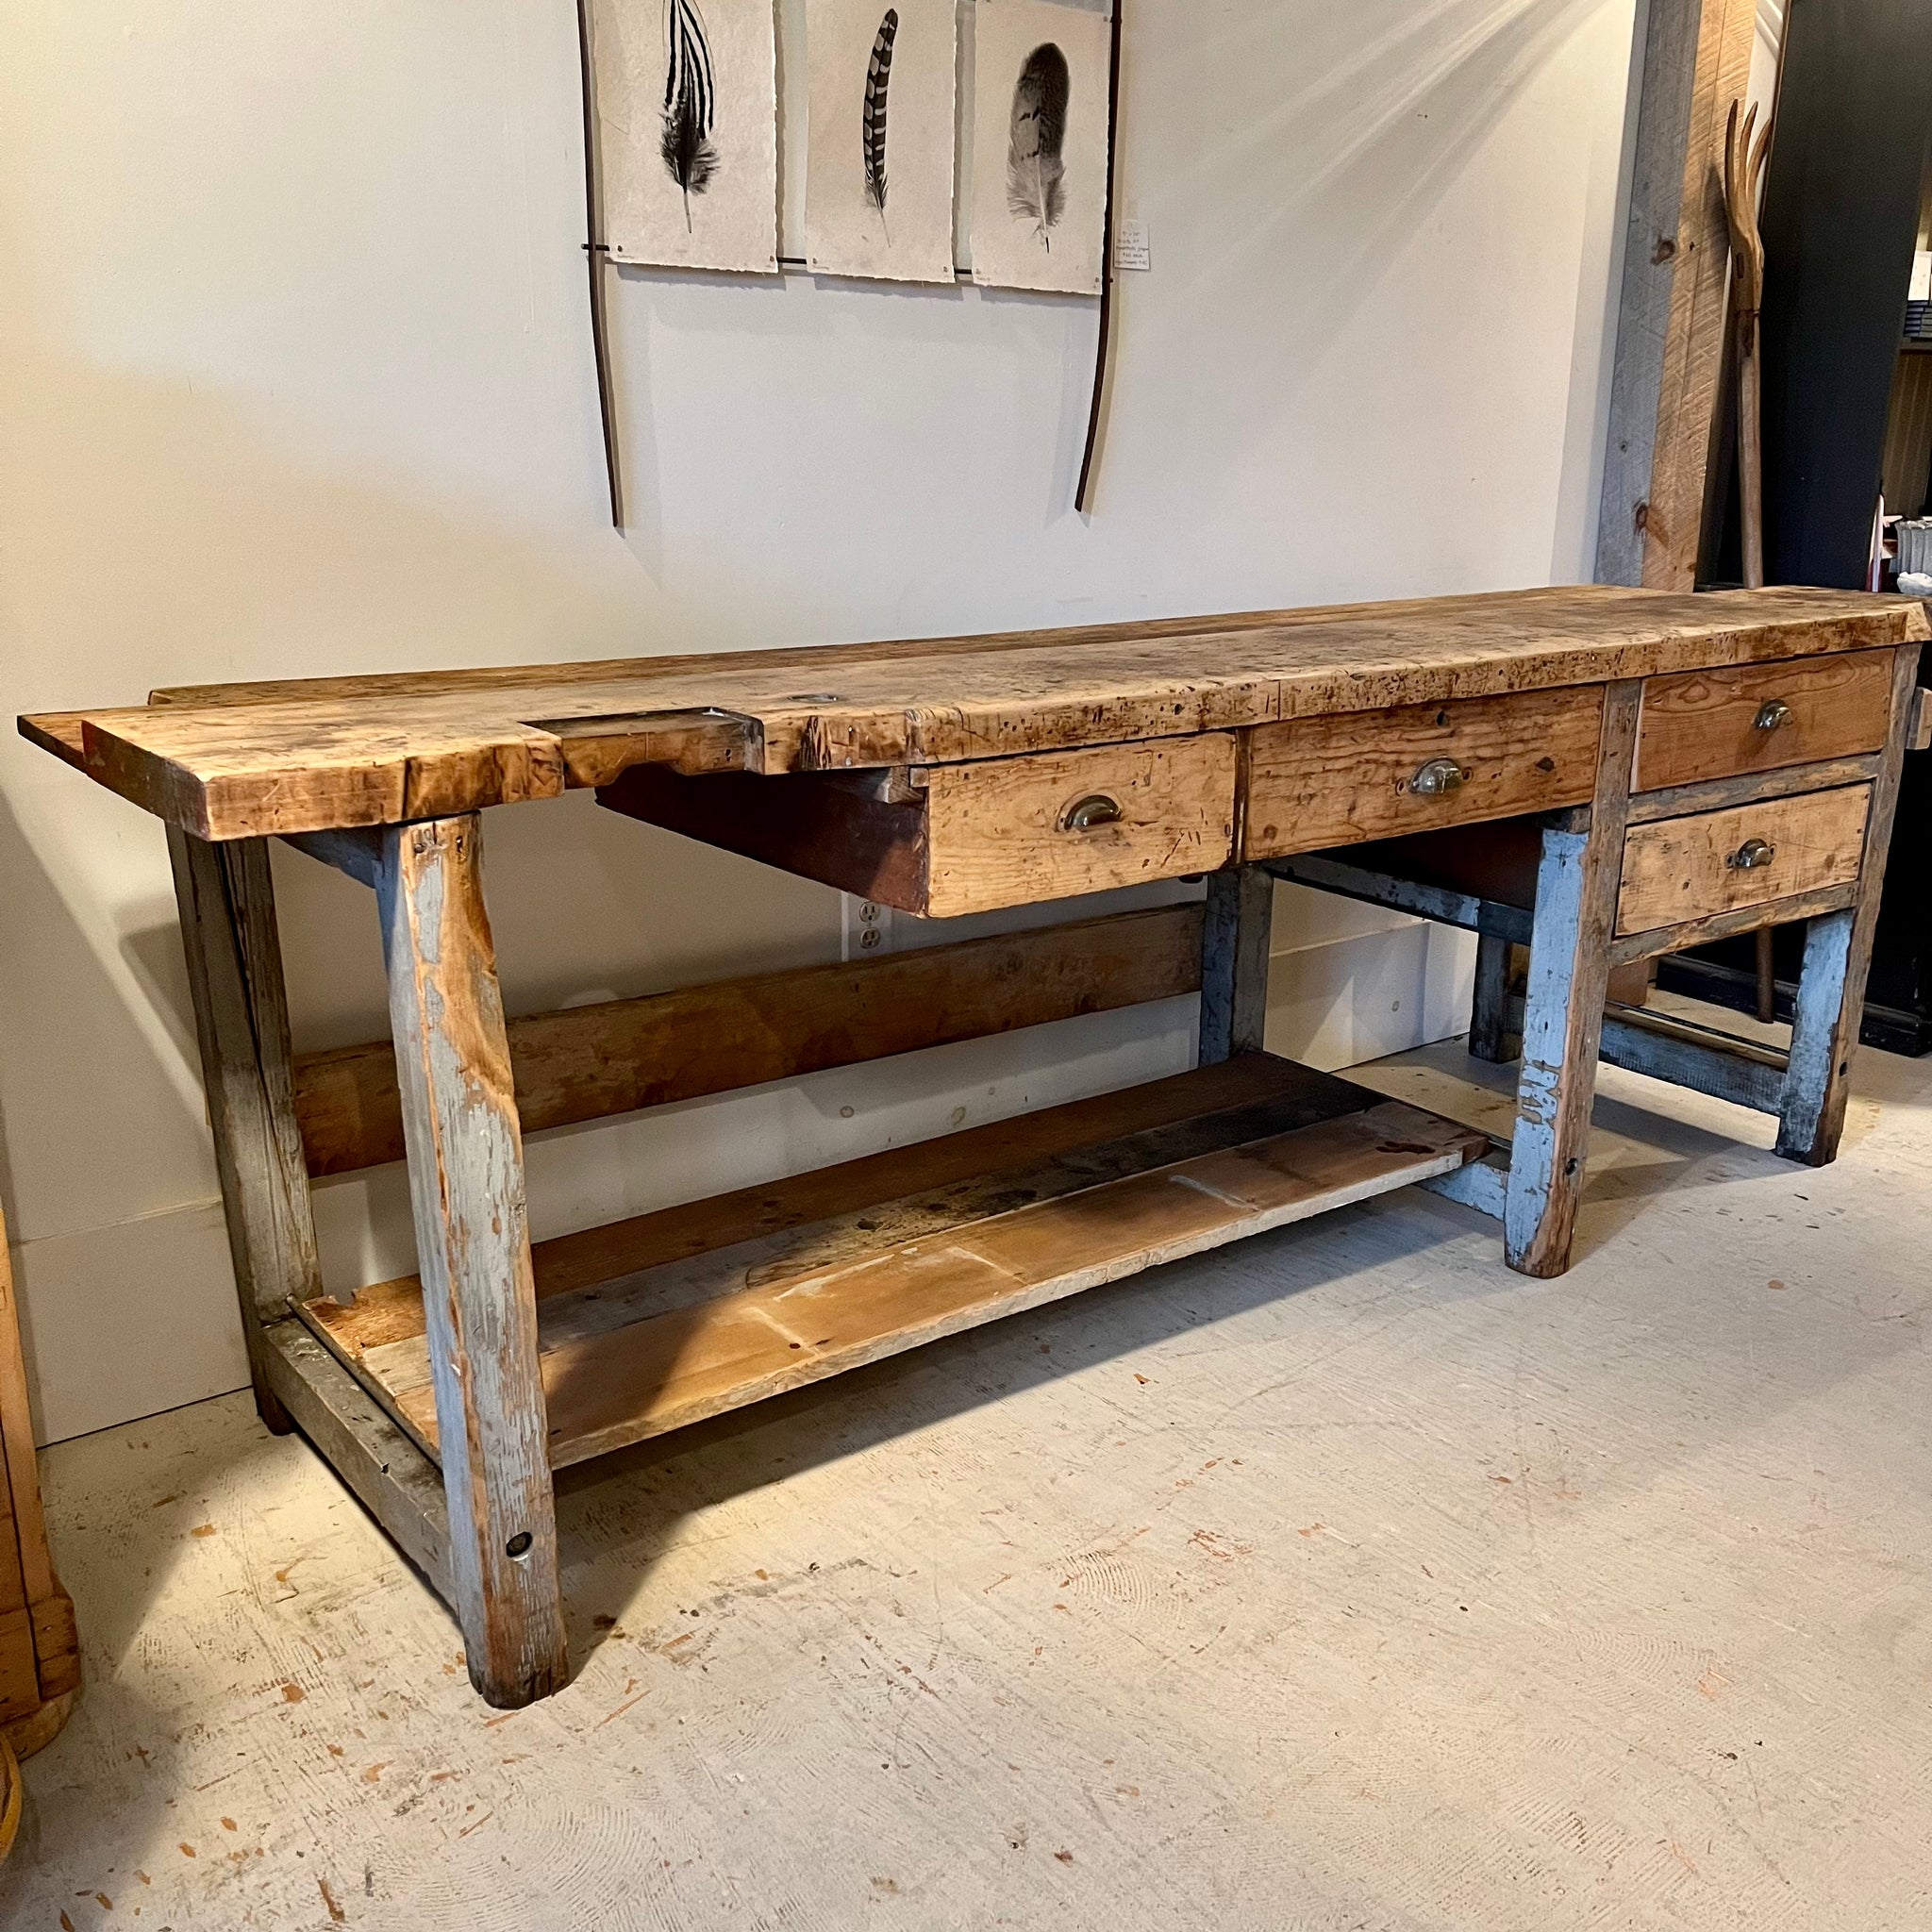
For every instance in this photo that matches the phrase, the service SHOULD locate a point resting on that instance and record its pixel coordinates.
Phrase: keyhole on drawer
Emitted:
(519, 1545)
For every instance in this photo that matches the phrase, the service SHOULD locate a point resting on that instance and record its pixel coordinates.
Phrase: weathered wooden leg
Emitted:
(1489, 1011)
(473, 1244)
(1563, 1006)
(228, 905)
(1234, 962)
(1838, 955)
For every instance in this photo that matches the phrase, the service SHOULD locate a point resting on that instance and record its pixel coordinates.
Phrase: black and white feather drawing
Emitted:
(1036, 175)
(690, 101)
(878, 82)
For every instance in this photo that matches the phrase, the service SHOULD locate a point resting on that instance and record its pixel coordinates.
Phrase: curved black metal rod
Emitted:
(597, 256)
(1083, 496)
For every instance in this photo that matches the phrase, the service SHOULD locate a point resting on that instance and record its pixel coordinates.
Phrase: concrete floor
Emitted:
(1337, 1580)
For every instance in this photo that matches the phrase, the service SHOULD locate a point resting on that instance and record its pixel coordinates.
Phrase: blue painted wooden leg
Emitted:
(1563, 1007)
(1838, 953)
(1813, 1115)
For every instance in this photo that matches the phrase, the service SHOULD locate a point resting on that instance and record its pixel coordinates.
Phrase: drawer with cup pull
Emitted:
(945, 839)
(1676, 869)
(1340, 779)
(1699, 724)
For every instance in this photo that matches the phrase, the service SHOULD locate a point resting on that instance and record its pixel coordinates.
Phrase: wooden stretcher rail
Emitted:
(587, 1063)
(684, 1315)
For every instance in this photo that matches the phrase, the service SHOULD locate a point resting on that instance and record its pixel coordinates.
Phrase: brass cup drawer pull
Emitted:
(1096, 809)
(1751, 854)
(1771, 714)
(1438, 778)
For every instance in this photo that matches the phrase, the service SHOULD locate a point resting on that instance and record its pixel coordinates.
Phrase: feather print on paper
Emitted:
(878, 81)
(690, 101)
(1036, 184)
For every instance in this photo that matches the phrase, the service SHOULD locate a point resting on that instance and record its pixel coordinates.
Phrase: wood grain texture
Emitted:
(19, 1680)
(1837, 955)
(588, 1062)
(1489, 1032)
(1003, 832)
(1634, 946)
(946, 840)
(26, 1564)
(1323, 782)
(1671, 321)
(1563, 1007)
(1682, 869)
(645, 1264)
(1687, 1055)
(27, 1583)
(611, 1386)
(1703, 725)
(370, 751)
(466, 1191)
(1714, 795)
(390, 1474)
(225, 896)
(1234, 956)
(862, 833)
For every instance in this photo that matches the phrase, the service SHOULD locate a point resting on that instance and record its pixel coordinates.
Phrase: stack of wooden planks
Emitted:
(39, 1654)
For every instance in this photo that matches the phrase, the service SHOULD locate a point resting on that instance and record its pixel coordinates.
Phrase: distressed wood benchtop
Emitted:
(241, 761)
(1600, 775)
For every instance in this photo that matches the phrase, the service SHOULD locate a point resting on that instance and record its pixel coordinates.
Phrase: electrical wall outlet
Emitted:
(866, 930)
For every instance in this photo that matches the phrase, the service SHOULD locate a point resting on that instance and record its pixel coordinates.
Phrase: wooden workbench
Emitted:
(1604, 775)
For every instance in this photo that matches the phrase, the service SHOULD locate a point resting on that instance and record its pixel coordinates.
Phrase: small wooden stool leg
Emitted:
(1234, 962)
(228, 903)
(1830, 1003)
(1489, 1011)
(1563, 1006)
(473, 1242)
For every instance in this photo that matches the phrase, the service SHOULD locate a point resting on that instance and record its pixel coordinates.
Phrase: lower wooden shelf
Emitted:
(659, 1321)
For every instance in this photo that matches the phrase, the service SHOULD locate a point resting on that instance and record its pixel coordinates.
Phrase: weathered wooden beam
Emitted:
(1483, 1185)
(355, 851)
(1838, 955)
(1489, 1012)
(395, 1482)
(1670, 317)
(1754, 788)
(1235, 935)
(1725, 925)
(1443, 904)
(226, 899)
(1568, 974)
(473, 1247)
(586, 1063)
(1686, 1055)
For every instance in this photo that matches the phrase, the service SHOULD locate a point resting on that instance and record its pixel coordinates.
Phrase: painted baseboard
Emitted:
(126, 1321)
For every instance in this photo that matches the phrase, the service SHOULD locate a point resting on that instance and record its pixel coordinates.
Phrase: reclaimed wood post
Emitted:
(1489, 1011)
(1563, 1005)
(39, 1651)
(1234, 962)
(227, 903)
(473, 1243)
(1830, 1001)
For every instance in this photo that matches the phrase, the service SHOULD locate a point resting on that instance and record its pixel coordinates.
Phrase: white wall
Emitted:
(296, 379)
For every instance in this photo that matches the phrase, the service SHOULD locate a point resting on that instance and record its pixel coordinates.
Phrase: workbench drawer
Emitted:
(1700, 724)
(1676, 869)
(945, 839)
(1318, 782)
